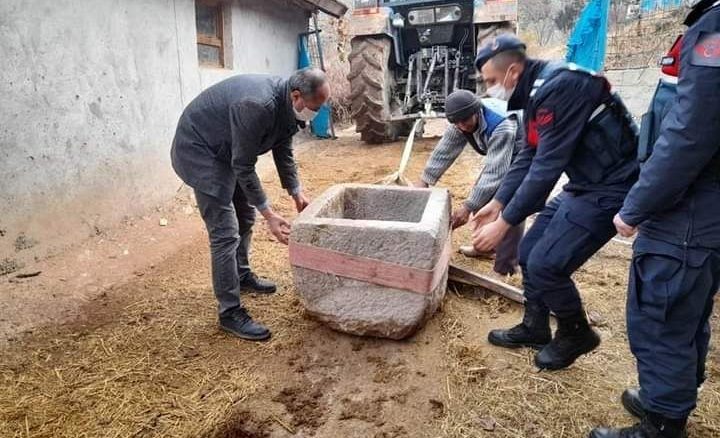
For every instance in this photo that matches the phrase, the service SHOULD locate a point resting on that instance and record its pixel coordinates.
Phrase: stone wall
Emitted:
(635, 86)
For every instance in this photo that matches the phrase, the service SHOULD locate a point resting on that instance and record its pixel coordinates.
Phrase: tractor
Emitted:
(408, 55)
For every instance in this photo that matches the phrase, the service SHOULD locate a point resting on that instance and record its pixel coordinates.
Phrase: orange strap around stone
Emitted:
(382, 273)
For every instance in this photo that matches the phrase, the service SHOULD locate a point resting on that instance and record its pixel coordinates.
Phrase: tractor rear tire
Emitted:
(371, 90)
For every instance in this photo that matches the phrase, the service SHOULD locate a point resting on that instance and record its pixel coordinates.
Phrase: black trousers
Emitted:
(229, 226)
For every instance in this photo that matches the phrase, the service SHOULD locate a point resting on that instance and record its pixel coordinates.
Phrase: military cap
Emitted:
(501, 43)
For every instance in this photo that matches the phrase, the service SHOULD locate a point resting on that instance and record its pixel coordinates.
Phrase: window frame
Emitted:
(218, 40)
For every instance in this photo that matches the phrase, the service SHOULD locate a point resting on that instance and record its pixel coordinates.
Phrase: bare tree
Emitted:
(538, 16)
(568, 15)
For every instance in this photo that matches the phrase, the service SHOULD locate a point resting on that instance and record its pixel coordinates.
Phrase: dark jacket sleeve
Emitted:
(690, 133)
(250, 121)
(286, 166)
(560, 115)
(515, 175)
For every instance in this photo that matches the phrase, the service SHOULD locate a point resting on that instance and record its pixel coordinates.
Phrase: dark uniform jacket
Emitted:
(677, 198)
(560, 138)
(223, 131)
(520, 97)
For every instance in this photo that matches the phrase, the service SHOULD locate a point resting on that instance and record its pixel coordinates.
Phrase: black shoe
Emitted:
(253, 283)
(652, 426)
(533, 331)
(573, 338)
(631, 402)
(240, 324)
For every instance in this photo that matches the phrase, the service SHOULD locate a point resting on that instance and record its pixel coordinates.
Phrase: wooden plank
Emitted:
(466, 276)
(471, 278)
(331, 7)
(209, 40)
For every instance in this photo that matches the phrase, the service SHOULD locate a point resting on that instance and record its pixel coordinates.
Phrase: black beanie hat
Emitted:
(461, 105)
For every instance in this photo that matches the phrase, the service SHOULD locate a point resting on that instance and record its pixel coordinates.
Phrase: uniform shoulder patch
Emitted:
(706, 52)
(545, 118)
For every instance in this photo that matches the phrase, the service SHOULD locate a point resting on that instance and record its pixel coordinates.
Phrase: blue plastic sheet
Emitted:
(655, 5)
(320, 126)
(587, 44)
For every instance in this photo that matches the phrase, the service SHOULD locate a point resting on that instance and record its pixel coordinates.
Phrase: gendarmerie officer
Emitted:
(675, 271)
(574, 125)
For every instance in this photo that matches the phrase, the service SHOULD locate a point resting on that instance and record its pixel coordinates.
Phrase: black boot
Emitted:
(652, 426)
(631, 402)
(533, 331)
(239, 323)
(253, 283)
(573, 338)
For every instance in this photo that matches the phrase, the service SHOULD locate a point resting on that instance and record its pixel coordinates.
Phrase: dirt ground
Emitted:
(117, 337)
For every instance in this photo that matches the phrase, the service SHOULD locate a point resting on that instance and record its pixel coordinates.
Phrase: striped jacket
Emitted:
(502, 145)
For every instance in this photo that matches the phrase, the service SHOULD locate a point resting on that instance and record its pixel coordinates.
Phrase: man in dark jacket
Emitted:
(217, 143)
(574, 125)
(675, 270)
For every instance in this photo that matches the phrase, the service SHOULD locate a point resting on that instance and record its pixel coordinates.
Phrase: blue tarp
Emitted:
(654, 5)
(587, 43)
(320, 126)
(303, 52)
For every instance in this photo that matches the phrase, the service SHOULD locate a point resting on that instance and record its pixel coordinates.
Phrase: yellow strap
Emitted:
(408, 148)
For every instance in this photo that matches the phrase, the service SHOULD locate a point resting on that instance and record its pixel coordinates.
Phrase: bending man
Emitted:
(489, 134)
(218, 140)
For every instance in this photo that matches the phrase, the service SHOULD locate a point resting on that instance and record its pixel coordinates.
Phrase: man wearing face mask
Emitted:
(218, 140)
(574, 125)
(492, 135)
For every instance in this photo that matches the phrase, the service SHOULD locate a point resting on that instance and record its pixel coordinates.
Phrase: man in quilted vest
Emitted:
(492, 135)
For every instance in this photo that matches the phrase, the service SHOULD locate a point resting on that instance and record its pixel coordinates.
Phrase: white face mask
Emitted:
(498, 91)
(305, 115)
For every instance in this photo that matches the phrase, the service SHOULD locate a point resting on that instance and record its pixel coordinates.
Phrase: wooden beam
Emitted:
(466, 276)
(471, 278)
(332, 7)
(209, 40)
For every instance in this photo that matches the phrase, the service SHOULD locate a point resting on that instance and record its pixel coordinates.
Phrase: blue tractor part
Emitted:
(408, 55)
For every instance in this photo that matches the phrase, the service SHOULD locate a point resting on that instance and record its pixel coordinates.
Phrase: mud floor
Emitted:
(117, 338)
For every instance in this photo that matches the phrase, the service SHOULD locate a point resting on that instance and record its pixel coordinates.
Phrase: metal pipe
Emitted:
(317, 40)
(446, 82)
(431, 70)
(408, 85)
(458, 61)
(456, 77)
(418, 76)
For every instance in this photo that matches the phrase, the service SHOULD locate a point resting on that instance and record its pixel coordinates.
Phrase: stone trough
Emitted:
(373, 260)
